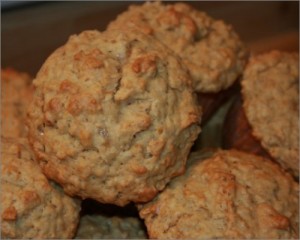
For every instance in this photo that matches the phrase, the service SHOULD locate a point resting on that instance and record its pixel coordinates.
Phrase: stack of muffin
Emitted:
(111, 120)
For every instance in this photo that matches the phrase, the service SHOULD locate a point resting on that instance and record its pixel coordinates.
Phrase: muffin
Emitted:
(31, 206)
(16, 92)
(266, 120)
(211, 50)
(113, 117)
(226, 194)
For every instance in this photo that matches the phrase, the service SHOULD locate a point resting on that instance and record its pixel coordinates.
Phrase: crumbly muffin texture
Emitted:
(270, 88)
(16, 93)
(227, 194)
(104, 227)
(212, 51)
(30, 206)
(113, 117)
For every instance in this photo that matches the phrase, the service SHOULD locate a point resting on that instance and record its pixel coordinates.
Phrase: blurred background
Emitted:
(30, 30)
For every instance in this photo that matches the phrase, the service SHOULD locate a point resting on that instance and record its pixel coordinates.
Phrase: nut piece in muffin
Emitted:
(226, 194)
(113, 117)
(211, 50)
(270, 93)
(110, 227)
(16, 92)
(31, 206)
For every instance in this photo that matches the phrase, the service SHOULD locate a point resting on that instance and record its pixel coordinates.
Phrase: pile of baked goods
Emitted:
(99, 143)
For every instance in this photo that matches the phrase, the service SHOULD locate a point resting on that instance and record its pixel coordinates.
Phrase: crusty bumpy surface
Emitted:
(16, 93)
(230, 194)
(30, 206)
(270, 88)
(113, 117)
(211, 49)
(103, 227)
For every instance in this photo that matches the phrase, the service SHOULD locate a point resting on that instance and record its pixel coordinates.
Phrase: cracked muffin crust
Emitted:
(227, 194)
(30, 206)
(104, 227)
(210, 49)
(270, 88)
(113, 117)
(16, 93)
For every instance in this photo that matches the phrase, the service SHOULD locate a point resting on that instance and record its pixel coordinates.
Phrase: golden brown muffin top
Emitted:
(227, 194)
(270, 89)
(114, 116)
(31, 207)
(211, 50)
